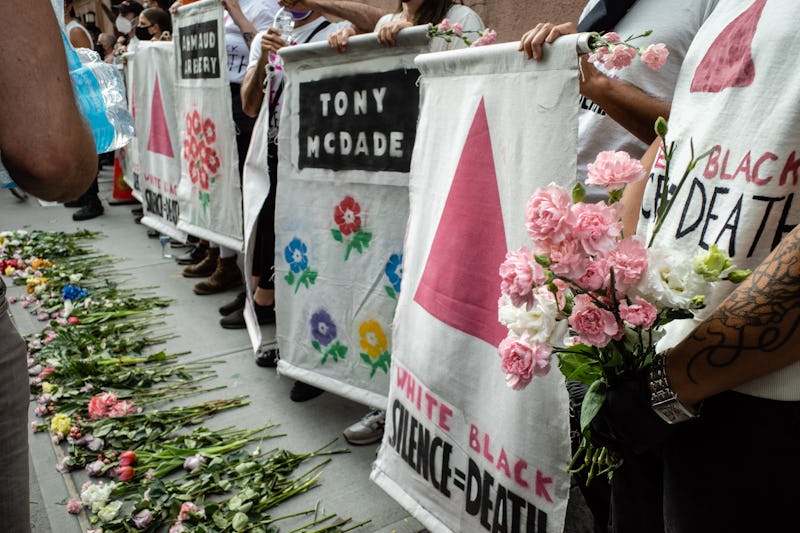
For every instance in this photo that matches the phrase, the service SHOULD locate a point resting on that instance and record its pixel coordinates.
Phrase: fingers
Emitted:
(338, 39)
(545, 32)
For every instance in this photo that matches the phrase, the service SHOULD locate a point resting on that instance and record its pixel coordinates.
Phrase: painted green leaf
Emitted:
(337, 235)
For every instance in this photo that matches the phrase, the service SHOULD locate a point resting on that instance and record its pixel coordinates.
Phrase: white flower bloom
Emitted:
(68, 307)
(75, 278)
(671, 282)
(109, 512)
(95, 496)
(538, 322)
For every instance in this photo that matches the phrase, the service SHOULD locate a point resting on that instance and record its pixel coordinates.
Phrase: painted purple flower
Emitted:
(322, 327)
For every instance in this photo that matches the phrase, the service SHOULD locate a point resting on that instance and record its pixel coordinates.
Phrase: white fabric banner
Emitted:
(346, 136)
(462, 451)
(129, 155)
(209, 192)
(152, 69)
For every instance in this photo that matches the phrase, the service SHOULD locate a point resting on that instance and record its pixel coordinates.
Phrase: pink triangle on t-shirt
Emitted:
(460, 284)
(159, 141)
(728, 61)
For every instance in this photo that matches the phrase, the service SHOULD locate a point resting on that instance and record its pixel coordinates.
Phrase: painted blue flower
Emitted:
(295, 254)
(72, 292)
(322, 327)
(394, 270)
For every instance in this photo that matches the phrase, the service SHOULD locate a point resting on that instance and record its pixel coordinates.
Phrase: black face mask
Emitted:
(142, 34)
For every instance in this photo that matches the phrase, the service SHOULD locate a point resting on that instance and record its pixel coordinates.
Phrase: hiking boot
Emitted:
(226, 276)
(205, 267)
(92, 209)
(235, 320)
(368, 430)
(194, 255)
(302, 392)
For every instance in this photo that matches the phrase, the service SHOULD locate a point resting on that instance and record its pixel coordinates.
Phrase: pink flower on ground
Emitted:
(444, 25)
(612, 37)
(642, 313)
(142, 519)
(125, 473)
(488, 37)
(614, 170)
(127, 458)
(177, 527)
(655, 55)
(188, 509)
(597, 227)
(458, 29)
(594, 326)
(521, 360)
(192, 464)
(595, 275)
(122, 408)
(549, 216)
(629, 261)
(74, 506)
(620, 57)
(519, 274)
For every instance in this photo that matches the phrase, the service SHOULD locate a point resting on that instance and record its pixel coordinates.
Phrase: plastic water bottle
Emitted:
(100, 92)
(165, 251)
(284, 22)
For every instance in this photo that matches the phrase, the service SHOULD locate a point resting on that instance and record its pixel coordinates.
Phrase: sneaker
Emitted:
(193, 255)
(302, 392)
(368, 430)
(268, 358)
(92, 209)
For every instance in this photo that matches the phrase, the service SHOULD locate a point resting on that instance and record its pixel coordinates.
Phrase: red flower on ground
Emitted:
(346, 216)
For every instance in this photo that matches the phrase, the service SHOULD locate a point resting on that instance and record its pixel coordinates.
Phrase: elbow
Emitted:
(57, 176)
(249, 109)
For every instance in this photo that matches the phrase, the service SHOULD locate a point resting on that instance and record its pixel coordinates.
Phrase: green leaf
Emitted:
(578, 193)
(367, 359)
(289, 277)
(579, 367)
(240, 522)
(592, 402)
(219, 520)
(316, 345)
(390, 292)
(337, 235)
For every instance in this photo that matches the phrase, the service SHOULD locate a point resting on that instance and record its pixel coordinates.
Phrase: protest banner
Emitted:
(209, 191)
(152, 70)
(462, 451)
(129, 154)
(347, 132)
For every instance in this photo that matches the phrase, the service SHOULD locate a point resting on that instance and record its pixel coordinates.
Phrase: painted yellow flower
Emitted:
(60, 424)
(373, 339)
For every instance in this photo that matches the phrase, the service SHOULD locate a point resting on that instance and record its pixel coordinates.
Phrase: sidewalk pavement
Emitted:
(345, 488)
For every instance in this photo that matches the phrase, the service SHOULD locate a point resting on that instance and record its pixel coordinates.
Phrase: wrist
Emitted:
(663, 398)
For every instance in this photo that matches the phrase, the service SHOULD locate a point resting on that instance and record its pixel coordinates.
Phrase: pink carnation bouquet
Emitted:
(449, 31)
(593, 297)
(614, 53)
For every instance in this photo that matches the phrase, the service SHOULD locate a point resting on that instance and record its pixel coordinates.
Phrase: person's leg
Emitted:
(14, 476)
(637, 494)
(92, 206)
(735, 468)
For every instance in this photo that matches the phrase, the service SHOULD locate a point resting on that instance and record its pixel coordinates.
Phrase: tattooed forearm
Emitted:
(759, 320)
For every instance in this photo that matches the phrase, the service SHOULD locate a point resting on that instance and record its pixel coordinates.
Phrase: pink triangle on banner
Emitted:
(728, 61)
(159, 141)
(460, 284)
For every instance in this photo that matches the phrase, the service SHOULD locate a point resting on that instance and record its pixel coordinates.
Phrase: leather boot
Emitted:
(226, 276)
(204, 268)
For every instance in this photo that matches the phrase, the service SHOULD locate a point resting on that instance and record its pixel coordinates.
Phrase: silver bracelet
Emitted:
(663, 399)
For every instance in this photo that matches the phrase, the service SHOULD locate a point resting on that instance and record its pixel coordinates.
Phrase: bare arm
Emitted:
(633, 194)
(362, 16)
(79, 39)
(245, 26)
(629, 106)
(52, 156)
(253, 85)
(754, 332)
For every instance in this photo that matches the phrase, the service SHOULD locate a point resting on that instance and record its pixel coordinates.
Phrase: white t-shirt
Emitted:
(299, 36)
(458, 13)
(674, 25)
(260, 13)
(737, 91)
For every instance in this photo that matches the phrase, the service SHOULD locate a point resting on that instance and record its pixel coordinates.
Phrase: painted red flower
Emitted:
(213, 161)
(203, 178)
(189, 128)
(194, 171)
(346, 215)
(209, 131)
(195, 127)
